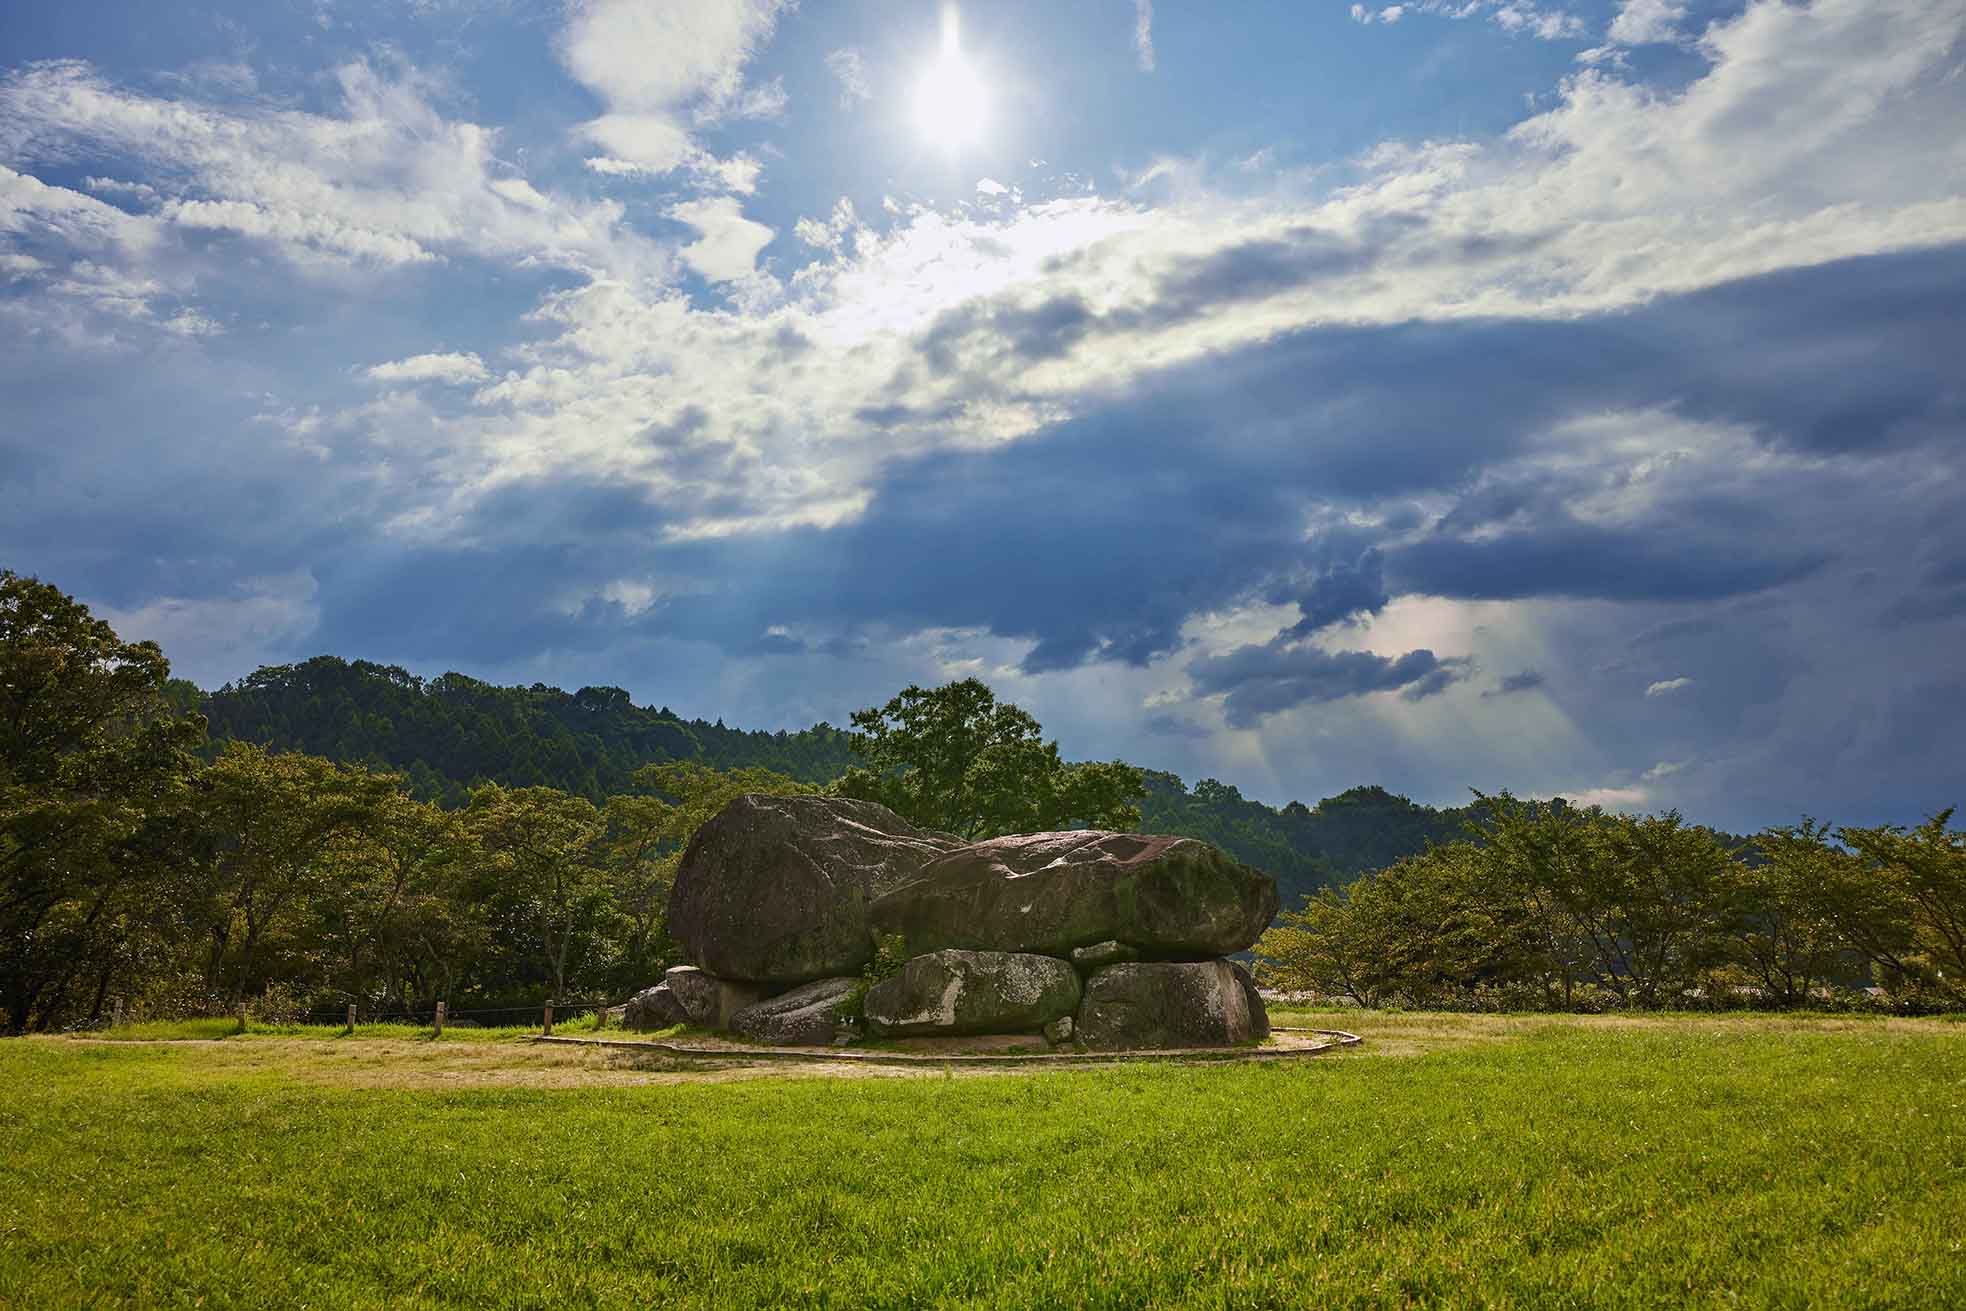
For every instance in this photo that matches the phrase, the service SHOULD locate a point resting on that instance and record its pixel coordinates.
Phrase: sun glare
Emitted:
(951, 105)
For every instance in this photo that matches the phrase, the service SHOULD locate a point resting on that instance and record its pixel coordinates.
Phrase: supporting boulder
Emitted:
(776, 889)
(1167, 897)
(807, 1016)
(1259, 1014)
(961, 992)
(707, 1000)
(1170, 1004)
(653, 1008)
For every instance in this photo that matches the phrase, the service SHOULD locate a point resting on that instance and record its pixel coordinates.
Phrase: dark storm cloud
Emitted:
(1253, 270)
(1526, 681)
(1230, 480)
(1281, 675)
(1562, 557)
(1100, 537)
(1342, 592)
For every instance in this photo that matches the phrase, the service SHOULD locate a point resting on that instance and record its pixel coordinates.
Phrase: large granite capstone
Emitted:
(776, 889)
(959, 992)
(1167, 897)
(1170, 1004)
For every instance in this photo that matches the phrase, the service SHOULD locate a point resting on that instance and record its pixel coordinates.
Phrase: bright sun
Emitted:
(950, 103)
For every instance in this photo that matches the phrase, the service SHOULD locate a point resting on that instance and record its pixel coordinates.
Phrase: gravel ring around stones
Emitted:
(821, 1055)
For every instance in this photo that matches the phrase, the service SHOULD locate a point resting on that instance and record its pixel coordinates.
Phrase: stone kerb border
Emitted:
(834, 1055)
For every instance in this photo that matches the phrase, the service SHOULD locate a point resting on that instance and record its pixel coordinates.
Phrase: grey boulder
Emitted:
(776, 889)
(957, 992)
(1101, 954)
(807, 1016)
(1168, 897)
(1259, 1015)
(707, 1000)
(1170, 1004)
(653, 1008)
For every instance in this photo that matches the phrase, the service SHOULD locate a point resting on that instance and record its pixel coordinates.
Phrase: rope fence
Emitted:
(354, 1015)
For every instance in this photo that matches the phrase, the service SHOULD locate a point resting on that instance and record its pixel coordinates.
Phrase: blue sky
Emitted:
(1556, 396)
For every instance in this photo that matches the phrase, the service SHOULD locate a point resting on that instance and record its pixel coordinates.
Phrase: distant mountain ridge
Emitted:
(452, 732)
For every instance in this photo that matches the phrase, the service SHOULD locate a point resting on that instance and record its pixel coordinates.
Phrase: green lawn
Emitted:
(1451, 1160)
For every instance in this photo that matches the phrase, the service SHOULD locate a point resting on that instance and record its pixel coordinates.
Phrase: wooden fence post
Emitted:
(439, 1030)
(549, 1017)
(600, 1017)
(116, 1014)
(351, 1017)
(243, 1007)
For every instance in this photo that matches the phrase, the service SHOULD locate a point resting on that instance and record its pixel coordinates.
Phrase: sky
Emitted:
(1565, 397)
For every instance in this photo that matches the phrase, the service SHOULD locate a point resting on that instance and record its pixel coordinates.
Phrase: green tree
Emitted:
(1778, 914)
(956, 760)
(535, 854)
(1425, 929)
(1924, 873)
(271, 824)
(90, 750)
(384, 885)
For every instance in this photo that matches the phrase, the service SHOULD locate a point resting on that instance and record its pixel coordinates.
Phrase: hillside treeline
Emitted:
(1546, 906)
(449, 734)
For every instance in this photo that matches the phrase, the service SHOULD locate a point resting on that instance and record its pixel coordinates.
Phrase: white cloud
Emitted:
(738, 174)
(1645, 22)
(209, 640)
(192, 323)
(1614, 196)
(850, 71)
(780, 406)
(1664, 769)
(1143, 34)
(456, 368)
(1514, 16)
(990, 187)
(728, 243)
(1665, 686)
(388, 181)
(661, 66)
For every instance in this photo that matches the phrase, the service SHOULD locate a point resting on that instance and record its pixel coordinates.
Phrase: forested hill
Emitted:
(1303, 847)
(451, 732)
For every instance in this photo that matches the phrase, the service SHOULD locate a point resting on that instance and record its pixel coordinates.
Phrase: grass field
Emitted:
(1451, 1160)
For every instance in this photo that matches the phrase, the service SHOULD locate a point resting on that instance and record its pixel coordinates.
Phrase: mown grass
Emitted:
(1452, 1161)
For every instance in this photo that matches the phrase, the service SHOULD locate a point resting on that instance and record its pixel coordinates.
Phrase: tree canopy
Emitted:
(957, 760)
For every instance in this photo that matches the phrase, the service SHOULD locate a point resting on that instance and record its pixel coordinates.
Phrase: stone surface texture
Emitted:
(776, 889)
(1259, 1014)
(807, 1016)
(653, 1008)
(966, 992)
(1170, 898)
(708, 1001)
(1101, 954)
(1170, 1004)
